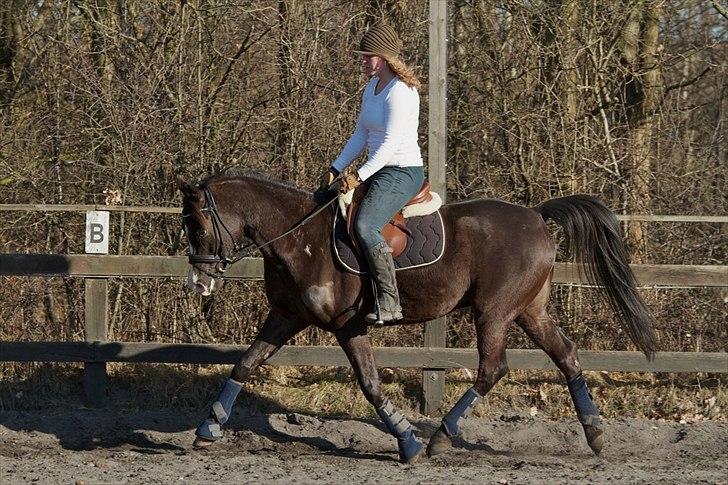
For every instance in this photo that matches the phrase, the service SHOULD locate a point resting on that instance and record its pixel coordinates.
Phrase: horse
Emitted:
(499, 260)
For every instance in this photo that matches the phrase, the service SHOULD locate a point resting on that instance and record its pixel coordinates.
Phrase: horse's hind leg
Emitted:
(275, 332)
(491, 336)
(358, 348)
(536, 322)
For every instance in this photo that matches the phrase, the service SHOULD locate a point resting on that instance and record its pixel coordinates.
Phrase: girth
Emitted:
(395, 233)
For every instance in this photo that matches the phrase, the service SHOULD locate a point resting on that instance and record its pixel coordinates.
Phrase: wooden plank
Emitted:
(413, 357)
(434, 181)
(88, 207)
(655, 274)
(82, 265)
(96, 309)
(437, 98)
(670, 218)
(433, 380)
(96, 301)
(95, 383)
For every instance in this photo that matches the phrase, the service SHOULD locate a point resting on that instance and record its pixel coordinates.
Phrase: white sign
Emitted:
(97, 232)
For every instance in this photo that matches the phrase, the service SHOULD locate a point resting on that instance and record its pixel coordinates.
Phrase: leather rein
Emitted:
(222, 258)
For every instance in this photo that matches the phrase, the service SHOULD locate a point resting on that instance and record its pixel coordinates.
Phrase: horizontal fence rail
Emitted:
(413, 357)
(88, 207)
(82, 265)
(95, 352)
(178, 210)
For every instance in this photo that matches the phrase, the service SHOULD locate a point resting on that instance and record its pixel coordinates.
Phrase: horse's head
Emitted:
(211, 243)
(225, 218)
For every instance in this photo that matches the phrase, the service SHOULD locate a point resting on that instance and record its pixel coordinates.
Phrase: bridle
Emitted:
(222, 258)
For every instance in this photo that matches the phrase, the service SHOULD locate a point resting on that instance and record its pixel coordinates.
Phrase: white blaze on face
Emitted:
(307, 249)
(195, 284)
(193, 279)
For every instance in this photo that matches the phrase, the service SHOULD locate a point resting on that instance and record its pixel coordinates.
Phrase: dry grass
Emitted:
(334, 391)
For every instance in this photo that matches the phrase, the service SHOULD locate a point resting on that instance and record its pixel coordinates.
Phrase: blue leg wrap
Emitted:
(408, 444)
(461, 409)
(586, 410)
(220, 412)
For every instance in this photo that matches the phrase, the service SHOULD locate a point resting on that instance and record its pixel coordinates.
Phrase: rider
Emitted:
(387, 129)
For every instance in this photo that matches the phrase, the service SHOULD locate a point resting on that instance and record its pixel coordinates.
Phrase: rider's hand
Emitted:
(326, 179)
(350, 182)
(322, 195)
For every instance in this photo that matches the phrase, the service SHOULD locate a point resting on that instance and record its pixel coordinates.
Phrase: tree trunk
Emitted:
(8, 47)
(646, 97)
(458, 113)
(100, 17)
(285, 150)
(564, 70)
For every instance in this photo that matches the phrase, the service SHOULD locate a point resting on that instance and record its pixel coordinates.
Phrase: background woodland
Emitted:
(108, 101)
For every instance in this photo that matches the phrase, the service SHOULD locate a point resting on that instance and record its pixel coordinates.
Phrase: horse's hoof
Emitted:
(201, 443)
(414, 457)
(439, 443)
(594, 438)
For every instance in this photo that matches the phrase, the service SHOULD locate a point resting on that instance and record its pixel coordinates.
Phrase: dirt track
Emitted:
(154, 447)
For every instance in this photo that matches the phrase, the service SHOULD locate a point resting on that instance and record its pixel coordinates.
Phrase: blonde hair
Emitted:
(404, 72)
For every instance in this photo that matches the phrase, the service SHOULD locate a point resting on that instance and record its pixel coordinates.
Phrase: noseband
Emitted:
(221, 258)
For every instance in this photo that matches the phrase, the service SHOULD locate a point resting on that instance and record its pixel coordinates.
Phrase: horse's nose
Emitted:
(202, 289)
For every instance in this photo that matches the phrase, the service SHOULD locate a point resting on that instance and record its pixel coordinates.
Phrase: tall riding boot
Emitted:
(381, 267)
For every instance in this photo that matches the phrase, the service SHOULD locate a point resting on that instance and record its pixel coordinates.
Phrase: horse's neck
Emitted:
(274, 210)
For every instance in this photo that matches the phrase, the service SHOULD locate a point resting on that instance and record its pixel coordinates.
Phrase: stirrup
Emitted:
(376, 319)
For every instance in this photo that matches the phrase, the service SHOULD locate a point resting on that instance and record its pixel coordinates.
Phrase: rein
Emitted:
(221, 258)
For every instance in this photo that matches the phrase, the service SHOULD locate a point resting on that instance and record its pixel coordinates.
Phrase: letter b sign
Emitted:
(97, 232)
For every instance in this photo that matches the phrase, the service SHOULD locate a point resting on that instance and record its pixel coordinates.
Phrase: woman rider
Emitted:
(387, 129)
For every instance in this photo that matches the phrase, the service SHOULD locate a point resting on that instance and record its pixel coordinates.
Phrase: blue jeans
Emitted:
(390, 189)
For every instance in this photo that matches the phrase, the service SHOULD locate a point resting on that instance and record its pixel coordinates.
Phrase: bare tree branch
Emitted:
(720, 8)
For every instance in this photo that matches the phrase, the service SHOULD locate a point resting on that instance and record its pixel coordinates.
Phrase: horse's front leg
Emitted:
(276, 331)
(358, 348)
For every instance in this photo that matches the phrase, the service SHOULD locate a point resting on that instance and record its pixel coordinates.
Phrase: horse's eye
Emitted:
(201, 233)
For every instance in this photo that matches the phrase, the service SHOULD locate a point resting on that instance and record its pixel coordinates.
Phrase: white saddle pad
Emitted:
(420, 209)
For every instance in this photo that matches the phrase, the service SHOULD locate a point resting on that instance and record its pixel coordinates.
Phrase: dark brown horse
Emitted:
(499, 260)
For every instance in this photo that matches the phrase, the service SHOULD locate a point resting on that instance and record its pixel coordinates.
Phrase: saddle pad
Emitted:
(424, 247)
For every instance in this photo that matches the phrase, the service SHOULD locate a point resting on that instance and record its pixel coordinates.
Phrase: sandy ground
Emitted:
(92, 446)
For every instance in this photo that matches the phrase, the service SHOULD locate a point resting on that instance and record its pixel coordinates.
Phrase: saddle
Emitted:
(395, 232)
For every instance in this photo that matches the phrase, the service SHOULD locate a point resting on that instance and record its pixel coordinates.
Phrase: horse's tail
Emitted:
(593, 236)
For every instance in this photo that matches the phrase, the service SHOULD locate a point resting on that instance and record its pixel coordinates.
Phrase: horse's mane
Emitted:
(240, 173)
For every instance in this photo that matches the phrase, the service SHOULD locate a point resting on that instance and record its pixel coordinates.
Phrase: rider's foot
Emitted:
(386, 316)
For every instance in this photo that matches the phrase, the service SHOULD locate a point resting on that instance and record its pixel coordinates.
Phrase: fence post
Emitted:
(94, 373)
(433, 380)
(96, 299)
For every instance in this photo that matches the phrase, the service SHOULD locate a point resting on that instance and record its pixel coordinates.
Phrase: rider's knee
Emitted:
(366, 232)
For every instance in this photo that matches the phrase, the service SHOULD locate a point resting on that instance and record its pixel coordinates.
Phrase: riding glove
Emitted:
(322, 195)
(348, 183)
(327, 178)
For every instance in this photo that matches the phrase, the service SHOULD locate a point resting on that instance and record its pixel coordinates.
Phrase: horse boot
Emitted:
(587, 412)
(381, 266)
(441, 440)
(410, 448)
(209, 430)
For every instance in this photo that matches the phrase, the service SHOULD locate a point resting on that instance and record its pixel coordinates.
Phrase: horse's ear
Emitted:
(188, 190)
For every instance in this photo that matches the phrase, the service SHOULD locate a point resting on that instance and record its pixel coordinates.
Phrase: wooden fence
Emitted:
(434, 359)
(96, 351)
